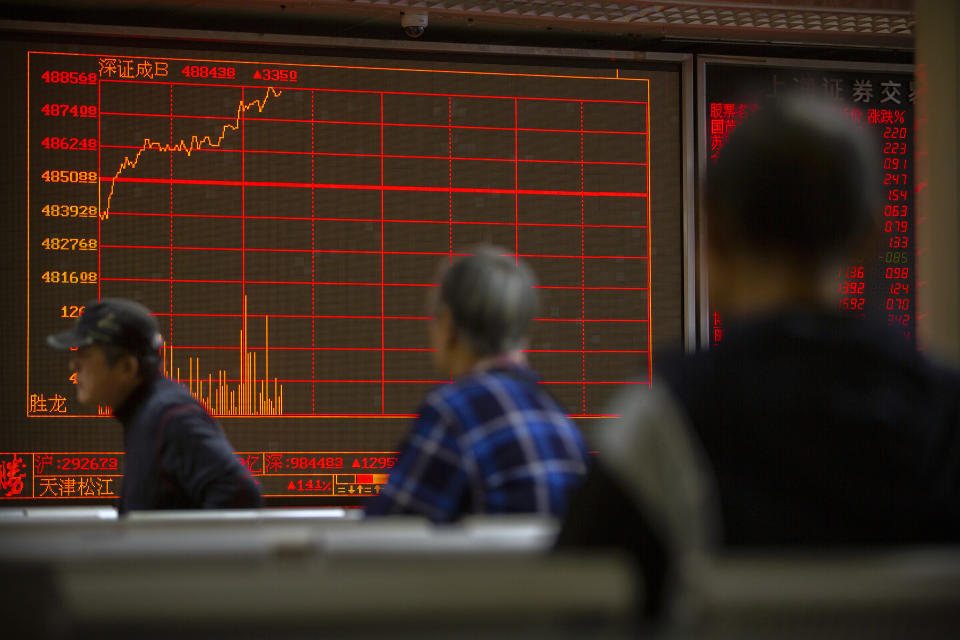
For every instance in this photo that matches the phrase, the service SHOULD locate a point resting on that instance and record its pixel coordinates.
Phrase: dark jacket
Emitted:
(177, 456)
(815, 430)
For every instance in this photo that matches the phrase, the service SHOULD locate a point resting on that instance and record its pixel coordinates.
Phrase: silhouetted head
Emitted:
(795, 182)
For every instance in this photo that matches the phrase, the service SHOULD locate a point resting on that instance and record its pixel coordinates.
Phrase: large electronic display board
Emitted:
(880, 284)
(284, 217)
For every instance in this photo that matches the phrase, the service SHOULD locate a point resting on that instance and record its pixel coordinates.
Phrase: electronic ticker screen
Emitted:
(880, 284)
(285, 216)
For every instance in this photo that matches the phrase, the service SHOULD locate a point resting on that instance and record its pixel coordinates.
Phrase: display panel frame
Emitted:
(704, 325)
(682, 62)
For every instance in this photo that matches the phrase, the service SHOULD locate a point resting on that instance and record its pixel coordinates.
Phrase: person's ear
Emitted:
(130, 366)
(451, 335)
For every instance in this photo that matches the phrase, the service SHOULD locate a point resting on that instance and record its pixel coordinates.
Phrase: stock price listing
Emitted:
(880, 284)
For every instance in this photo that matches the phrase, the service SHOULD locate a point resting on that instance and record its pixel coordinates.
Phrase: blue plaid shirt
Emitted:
(493, 441)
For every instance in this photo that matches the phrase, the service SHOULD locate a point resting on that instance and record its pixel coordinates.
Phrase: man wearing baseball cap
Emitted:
(177, 456)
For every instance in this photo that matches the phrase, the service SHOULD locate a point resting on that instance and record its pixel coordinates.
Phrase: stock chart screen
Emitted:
(880, 283)
(285, 216)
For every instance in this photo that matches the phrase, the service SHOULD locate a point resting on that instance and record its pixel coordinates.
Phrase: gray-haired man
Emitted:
(493, 440)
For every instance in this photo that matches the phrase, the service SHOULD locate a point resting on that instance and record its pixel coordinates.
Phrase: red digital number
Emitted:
(898, 304)
(84, 463)
(895, 178)
(895, 148)
(67, 144)
(276, 75)
(202, 71)
(382, 462)
(852, 288)
(305, 462)
(851, 304)
(69, 110)
(68, 77)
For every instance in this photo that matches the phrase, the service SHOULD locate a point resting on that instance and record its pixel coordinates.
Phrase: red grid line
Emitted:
(394, 349)
(288, 416)
(396, 220)
(384, 382)
(386, 317)
(313, 262)
(344, 284)
(583, 278)
(450, 175)
(356, 252)
(324, 316)
(391, 156)
(450, 222)
(213, 281)
(99, 195)
(649, 249)
(243, 228)
(383, 339)
(516, 184)
(279, 417)
(583, 288)
(385, 124)
(171, 215)
(381, 188)
(374, 92)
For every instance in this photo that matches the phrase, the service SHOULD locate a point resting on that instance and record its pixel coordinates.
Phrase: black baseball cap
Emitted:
(115, 321)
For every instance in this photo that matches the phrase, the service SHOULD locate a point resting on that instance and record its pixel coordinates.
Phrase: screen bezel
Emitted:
(703, 280)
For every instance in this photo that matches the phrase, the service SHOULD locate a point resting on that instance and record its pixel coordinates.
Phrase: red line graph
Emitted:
(261, 206)
(196, 141)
